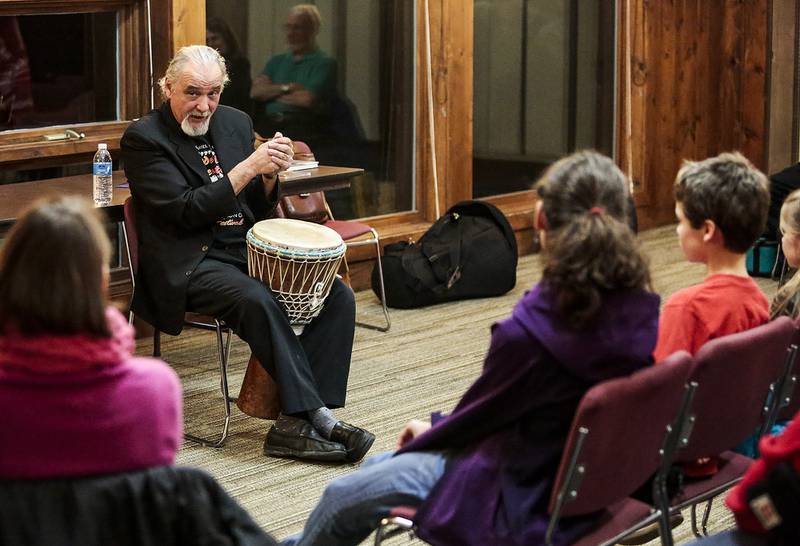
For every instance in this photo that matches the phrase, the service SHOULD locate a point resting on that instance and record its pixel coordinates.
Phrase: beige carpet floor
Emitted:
(424, 363)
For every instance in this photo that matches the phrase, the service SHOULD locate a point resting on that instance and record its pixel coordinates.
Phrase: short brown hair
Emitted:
(51, 270)
(728, 190)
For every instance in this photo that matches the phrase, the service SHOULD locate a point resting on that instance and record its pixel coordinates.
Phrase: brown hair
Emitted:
(590, 249)
(728, 190)
(784, 302)
(51, 270)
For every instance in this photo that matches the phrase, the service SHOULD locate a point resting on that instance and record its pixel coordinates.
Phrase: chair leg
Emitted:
(130, 271)
(377, 242)
(693, 513)
(706, 515)
(703, 529)
(661, 498)
(224, 387)
(223, 349)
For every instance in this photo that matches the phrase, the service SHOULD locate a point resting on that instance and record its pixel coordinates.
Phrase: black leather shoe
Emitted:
(297, 438)
(356, 440)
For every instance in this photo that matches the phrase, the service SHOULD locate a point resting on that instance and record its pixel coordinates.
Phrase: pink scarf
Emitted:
(52, 354)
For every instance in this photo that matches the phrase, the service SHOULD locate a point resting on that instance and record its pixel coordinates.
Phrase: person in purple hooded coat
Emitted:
(483, 474)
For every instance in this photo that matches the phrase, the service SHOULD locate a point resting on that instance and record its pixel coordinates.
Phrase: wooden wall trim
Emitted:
(46, 7)
(451, 59)
(188, 23)
(782, 77)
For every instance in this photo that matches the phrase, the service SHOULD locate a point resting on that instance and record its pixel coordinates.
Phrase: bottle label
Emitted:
(101, 169)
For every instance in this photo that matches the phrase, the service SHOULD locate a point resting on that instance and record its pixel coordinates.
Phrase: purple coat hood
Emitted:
(504, 438)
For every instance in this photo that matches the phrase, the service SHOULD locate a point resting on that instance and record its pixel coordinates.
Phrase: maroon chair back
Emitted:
(627, 420)
(787, 413)
(301, 147)
(734, 374)
(130, 229)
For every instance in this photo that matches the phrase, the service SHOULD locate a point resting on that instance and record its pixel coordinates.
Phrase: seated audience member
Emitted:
(483, 474)
(197, 187)
(74, 400)
(781, 184)
(721, 205)
(787, 300)
(766, 502)
(237, 92)
(296, 88)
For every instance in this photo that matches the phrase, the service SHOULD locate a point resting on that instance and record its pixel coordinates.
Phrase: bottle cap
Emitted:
(102, 146)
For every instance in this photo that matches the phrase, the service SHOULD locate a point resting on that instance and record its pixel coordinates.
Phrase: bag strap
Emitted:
(454, 251)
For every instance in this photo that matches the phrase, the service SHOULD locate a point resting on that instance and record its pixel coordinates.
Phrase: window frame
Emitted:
(25, 148)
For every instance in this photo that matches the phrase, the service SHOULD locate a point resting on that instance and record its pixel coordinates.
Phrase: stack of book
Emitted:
(302, 165)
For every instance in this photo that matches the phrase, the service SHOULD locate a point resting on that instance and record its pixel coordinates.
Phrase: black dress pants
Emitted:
(311, 369)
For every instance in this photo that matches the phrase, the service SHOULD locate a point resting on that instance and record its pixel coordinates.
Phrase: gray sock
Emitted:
(323, 420)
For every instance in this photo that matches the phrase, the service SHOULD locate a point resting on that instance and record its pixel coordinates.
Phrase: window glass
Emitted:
(57, 69)
(340, 79)
(543, 87)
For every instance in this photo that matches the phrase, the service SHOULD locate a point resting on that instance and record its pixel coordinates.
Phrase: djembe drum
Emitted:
(298, 261)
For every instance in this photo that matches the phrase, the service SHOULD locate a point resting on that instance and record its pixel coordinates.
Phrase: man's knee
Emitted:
(342, 298)
(256, 300)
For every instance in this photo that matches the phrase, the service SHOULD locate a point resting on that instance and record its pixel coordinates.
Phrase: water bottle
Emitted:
(101, 176)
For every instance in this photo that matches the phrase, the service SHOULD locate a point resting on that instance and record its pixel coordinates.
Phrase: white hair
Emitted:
(198, 55)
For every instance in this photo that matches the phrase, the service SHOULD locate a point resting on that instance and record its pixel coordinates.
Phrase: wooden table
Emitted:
(14, 198)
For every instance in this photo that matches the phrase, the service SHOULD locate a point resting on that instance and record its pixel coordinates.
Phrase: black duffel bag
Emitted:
(470, 252)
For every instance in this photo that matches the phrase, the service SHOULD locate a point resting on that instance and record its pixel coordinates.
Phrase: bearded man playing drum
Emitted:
(197, 188)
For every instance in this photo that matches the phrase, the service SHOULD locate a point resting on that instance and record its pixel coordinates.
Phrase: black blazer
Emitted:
(177, 207)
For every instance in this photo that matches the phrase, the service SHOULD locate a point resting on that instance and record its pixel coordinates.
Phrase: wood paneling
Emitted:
(451, 66)
(698, 88)
(188, 23)
(782, 146)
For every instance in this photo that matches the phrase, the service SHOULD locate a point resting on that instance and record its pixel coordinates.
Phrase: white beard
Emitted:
(192, 131)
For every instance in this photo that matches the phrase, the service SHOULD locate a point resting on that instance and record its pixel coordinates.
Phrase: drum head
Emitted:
(290, 233)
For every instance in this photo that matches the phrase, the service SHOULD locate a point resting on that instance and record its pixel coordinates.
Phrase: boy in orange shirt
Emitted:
(721, 205)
